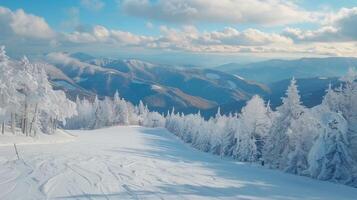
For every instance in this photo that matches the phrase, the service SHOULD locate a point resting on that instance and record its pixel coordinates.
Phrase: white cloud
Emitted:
(249, 37)
(269, 12)
(100, 34)
(337, 36)
(325, 34)
(188, 38)
(25, 25)
(94, 5)
(337, 27)
(346, 21)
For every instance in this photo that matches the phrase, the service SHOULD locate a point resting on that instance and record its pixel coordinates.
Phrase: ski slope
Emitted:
(144, 163)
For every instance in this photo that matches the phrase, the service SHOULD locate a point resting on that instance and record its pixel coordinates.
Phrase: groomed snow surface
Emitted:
(144, 163)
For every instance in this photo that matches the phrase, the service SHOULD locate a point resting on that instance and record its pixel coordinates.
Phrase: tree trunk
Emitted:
(13, 118)
(3, 128)
(26, 120)
(23, 124)
(51, 125)
(34, 119)
(54, 125)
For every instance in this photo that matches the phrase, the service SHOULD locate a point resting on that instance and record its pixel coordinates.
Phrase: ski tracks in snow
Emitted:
(136, 163)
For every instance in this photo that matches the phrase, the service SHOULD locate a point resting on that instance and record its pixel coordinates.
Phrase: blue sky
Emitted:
(201, 32)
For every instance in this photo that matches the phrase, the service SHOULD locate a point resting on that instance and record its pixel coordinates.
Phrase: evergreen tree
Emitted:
(330, 157)
(278, 145)
(254, 126)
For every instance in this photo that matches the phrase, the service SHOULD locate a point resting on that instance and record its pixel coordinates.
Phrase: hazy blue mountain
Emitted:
(161, 87)
(276, 70)
(187, 89)
(82, 56)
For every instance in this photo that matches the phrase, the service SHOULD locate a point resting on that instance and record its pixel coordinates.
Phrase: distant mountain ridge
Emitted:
(160, 86)
(276, 70)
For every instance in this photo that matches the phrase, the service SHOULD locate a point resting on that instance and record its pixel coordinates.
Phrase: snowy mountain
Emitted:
(277, 70)
(160, 86)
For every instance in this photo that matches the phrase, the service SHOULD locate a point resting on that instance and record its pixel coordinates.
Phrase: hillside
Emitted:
(144, 163)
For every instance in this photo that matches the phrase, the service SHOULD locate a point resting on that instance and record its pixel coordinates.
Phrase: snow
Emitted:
(144, 163)
(156, 87)
(239, 77)
(138, 63)
(64, 84)
(232, 85)
(80, 79)
(213, 76)
(60, 136)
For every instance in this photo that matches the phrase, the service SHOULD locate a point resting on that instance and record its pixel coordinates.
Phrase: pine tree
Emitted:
(254, 126)
(330, 157)
(278, 145)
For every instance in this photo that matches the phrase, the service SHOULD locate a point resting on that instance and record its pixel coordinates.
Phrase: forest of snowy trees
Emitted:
(28, 104)
(319, 142)
(110, 112)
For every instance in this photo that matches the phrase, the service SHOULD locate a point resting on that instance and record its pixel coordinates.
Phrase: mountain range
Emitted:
(190, 89)
(276, 70)
(161, 87)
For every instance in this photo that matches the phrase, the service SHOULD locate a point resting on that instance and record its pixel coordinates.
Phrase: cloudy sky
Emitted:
(200, 32)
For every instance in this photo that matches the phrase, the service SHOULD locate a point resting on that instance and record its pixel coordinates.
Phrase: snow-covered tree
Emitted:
(217, 133)
(154, 119)
(9, 97)
(142, 112)
(254, 125)
(121, 112)
(343, 100)
(278, 145)
(26, 94)
(302, 133)
(330, 158)
(230, 130)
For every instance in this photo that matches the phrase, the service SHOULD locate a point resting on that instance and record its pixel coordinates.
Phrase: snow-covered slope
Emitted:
(8, 139)
(144, 163)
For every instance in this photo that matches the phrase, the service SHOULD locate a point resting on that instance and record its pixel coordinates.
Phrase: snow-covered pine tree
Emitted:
(121, 112)
(229, 133)
(254, 127)
(303, 132)
(197, 125)
(330, 157)
(142, 112)
(278, 145)
(217, 135)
